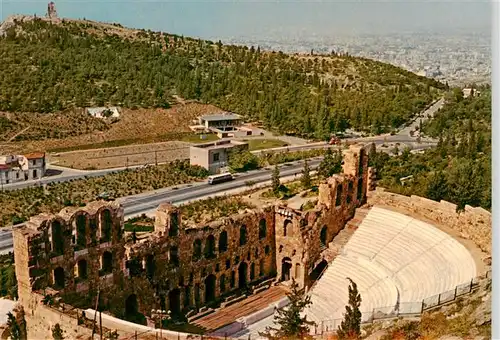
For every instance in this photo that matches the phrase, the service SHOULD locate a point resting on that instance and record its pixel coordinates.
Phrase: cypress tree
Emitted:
(350, 328)
(276, 180)
(306, 176)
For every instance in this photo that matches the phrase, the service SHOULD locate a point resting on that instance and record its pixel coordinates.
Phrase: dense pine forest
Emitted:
(459, 169)
(49, 67)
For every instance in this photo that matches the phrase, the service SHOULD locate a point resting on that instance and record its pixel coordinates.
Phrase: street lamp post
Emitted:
(160, 314)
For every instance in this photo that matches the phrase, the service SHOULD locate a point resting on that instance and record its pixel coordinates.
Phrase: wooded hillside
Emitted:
(48, 67)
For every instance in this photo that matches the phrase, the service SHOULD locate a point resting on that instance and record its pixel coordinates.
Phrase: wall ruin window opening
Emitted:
(131, 307)
(81, 231)
(287, 228)
(82, 269)
(243, 235)
(256, 252)
(232, 282)
(59, 278)
(252, 271)
(350, 187)
(338, 196)
(267, 250)
(57, 238)
(323, 237)
(261, 268)
(106, 226)
(197, 295)
(174, 303)
(210, 288)
(174, 225)
(262, 229)
(223, 241)
(150, 267)
(286, 266)
(228, 264)
(242, 275)
(210, 247)
(222, 282)
(134, 267)
(174, 256)
(187, 296)
(93, 231)
(360, 189)
(196, 249)
(106, 263)
(297, 271)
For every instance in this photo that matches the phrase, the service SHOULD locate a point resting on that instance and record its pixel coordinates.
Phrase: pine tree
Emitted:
(350, 328)
(291, 324)
(331, 164)
(57, 332)
(21, 321)
(276, 180)
(306, 176)
(14, 330)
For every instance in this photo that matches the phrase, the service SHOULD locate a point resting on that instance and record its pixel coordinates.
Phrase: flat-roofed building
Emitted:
(214, 156)
(221, 121)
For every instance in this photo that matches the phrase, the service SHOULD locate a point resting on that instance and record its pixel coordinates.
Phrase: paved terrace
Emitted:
(394, 259)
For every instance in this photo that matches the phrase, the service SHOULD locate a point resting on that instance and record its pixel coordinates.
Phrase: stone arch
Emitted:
(131, 306)
(262, 229)
(81, 230)
(210, 247)
(223, 241)
(323, 237)
(174, 302)
(82, 269)
(286, 266)
(106, 225)
(107, 262)
(210, 288)
(196, 249)
(57, 236)
(59, 278)
(287, 228)
(222, 283)
(243, 235)
(242, 275)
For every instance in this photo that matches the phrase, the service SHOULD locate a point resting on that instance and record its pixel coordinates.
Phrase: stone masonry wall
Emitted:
(473, 223)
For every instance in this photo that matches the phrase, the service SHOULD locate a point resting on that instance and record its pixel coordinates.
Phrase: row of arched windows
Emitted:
(81, 270)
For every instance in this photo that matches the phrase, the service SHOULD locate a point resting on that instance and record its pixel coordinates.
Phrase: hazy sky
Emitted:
(244, 18)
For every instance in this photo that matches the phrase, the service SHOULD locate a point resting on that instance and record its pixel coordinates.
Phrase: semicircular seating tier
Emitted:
(395, 261)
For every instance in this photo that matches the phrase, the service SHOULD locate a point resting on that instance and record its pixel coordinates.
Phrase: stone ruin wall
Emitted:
(473, 223)
(181, 268)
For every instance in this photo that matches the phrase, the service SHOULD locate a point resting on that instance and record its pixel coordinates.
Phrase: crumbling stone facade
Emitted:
(81, 253)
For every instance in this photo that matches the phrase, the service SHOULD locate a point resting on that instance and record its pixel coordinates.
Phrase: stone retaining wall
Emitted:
(473, 223)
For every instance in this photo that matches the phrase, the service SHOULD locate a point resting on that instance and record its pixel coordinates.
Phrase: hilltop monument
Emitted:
(51, 10)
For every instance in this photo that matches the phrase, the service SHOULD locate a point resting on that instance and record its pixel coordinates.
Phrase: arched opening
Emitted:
(150, 266)
(243, 235)
(222, 283)
(57, 238)
(197, 295)
(82, 269)
(173, 255)
(196, 250)
(360, 189)
(242, 275)
(107, 263)
(287, 226)
(261, 268)
(318, 270)
(286, 266)
(262, 229)
(134, 267)
(297, 271)
(210, 288)
(350, 188)
(81, 234)
(210, 247)
(187, 296)
(323, 236)
(223, 241)
(232, 282)
(131, 307)
(252, 271)
(267, 250)
(338, 197)
(174, 225)
(174, 302)
(59, 278)
(106, 225)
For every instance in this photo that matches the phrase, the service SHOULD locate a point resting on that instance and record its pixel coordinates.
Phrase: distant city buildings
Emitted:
(214, 156)
(17, 168)
(459, 59)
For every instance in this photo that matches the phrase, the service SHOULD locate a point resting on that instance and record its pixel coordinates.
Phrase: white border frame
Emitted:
(495, 206)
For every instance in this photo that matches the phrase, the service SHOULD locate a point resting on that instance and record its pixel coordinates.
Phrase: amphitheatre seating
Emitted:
(393, 259)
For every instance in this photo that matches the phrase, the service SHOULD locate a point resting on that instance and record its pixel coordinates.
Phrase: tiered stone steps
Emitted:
(394, 259)
(229, 314)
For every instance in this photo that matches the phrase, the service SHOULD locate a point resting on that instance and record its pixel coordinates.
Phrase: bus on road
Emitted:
(220, 178)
